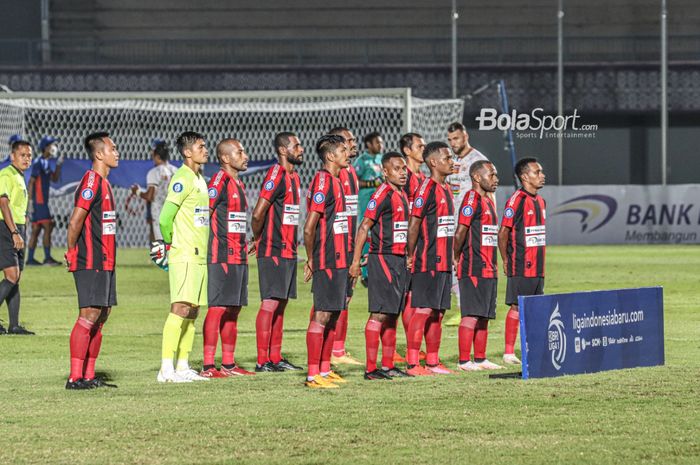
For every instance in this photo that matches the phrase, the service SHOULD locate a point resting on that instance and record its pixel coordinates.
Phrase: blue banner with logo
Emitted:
(585, 332)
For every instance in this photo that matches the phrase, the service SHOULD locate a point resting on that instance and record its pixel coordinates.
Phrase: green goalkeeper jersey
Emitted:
(188, 190)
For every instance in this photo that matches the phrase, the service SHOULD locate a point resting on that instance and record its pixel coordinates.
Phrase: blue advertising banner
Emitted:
(585, 332)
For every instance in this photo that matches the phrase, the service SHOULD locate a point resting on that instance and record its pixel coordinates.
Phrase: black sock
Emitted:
(478, 360)
(5, 289)
(208, 367)
(229, 367)
(13, 306)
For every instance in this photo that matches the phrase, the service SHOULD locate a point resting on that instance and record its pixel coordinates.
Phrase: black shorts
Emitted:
(478, 300)
(96, 288)
(277, 278)
(519, 285)
(9, 256)
(431, 290)
(227, 285)
(386, 288)
(329, 289)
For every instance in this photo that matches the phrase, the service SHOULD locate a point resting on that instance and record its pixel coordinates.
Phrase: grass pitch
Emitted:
(646, 415)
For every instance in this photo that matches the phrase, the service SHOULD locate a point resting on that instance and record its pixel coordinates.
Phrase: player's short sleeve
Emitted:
(272, 184)
(379, 202)
(217, 189)
(319, 190)
(468, 209)
(152, 178)
(4, 185)
(510, 210)
(178, 189)
(422, 199)
(87, 190)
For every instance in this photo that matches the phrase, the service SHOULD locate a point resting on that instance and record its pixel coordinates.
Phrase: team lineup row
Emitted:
(410, 224)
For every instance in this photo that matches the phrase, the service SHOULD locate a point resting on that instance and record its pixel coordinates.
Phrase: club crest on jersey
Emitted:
(213, 193)
(372, 204)
(177, 187)
(319, 197)
(467, 211)
(87, 194)
(419, 202)
(269, 185)
(509, 213)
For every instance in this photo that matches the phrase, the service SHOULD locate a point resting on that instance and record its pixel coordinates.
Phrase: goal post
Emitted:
(134, 119)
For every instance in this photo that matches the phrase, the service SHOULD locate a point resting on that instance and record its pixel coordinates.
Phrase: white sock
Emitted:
(166, 366)
(325, 374)
(182, 365)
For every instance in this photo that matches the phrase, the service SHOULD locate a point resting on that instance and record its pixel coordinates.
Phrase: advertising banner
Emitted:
(613, 214)
(586, 332)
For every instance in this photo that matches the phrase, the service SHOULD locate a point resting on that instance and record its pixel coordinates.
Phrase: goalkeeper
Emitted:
(184, 223)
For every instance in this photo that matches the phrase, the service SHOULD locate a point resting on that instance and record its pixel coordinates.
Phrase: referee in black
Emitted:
(13, 217)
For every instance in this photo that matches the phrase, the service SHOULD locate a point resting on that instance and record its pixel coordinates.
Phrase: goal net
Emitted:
(135, 119)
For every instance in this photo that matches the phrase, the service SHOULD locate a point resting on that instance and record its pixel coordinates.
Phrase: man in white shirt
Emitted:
(157, 180)
(460, 182)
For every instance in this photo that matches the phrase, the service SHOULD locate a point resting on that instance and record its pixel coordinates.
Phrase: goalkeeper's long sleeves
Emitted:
(167, 216)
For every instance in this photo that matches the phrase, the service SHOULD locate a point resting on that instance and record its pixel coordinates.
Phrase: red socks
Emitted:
(388, 343)
(433, 336)
(211, 333)
(465, 338)
(263, 329)
(416, 328)
(373, 330)
(512, 324)
(328, 340)
(277, 331)
(93, 351)
(480, 338)
(229, 332)
(314, 344)
(79, 345)
(406, 315)
(341, 331)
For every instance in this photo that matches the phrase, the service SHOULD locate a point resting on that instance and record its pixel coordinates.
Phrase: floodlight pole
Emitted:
(455, 16)
(664, 93)
(560, 90)
(45, 33)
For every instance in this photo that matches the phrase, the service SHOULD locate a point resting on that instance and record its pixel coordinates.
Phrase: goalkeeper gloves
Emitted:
(159, 254)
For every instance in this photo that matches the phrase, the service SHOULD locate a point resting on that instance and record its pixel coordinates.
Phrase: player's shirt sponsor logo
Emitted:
(340, 225)
(237, 222)
(535, 236)
(351, 204)
(400, 232)
(319, 198)
(291, 215)
(489, 235)
(201, 216)
(467, 211)
(509, 213)
(269, 185)
(446, 226)
(87, 194)
(177, 187)
(213, 193)
(419, 202)
(372, 205)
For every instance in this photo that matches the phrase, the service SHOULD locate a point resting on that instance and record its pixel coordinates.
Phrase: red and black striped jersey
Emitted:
(478, 257)
(351, 186)
(525, 215)
(388, 208)
(434, 205)
(279, 233)
(413, 183)
(326, 198)
(96, 246)
(229, 221)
